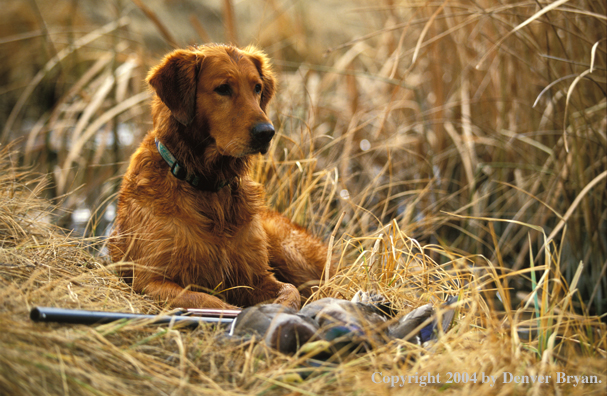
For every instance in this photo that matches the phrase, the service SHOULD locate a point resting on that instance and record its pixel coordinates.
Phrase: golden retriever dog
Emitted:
(192, 228)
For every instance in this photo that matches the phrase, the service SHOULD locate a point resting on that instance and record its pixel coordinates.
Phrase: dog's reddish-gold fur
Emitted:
(181, 244)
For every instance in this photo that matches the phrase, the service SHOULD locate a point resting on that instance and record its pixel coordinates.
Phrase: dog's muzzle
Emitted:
(262, 135)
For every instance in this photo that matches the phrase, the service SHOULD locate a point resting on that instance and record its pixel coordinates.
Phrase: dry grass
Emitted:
(465, 143)
(40, 265)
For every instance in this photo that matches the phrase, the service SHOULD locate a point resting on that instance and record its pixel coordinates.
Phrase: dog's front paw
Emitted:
(288, 296)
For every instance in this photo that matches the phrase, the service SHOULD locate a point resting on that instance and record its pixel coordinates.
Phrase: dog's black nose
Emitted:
(263, 133)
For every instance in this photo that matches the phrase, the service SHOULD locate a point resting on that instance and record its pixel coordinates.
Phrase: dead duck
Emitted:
(340, 325)
(347, 325)
(405, 327)
(280, 327)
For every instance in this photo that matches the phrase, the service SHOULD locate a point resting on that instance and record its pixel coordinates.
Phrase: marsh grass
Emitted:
(452, 148)
(41, 265)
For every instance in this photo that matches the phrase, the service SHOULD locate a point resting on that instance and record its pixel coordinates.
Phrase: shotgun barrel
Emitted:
(191, 318)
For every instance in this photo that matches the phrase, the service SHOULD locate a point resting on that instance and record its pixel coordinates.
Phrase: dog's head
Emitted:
(221, 91)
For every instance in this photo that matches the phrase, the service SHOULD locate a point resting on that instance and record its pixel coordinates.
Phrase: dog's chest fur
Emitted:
(235, 249)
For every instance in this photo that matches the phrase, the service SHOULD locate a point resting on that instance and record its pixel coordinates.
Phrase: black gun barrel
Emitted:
(77, 316)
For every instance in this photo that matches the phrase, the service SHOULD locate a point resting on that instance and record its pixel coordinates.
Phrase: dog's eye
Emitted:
(224, 90)
(257, 88)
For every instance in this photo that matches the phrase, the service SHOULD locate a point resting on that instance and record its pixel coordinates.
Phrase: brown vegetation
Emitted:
(464, 140)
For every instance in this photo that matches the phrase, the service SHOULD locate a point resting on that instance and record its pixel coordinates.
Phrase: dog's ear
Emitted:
(175, 80)
(262, 62)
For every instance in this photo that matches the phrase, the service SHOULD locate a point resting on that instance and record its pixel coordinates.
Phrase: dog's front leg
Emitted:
(176, 296)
